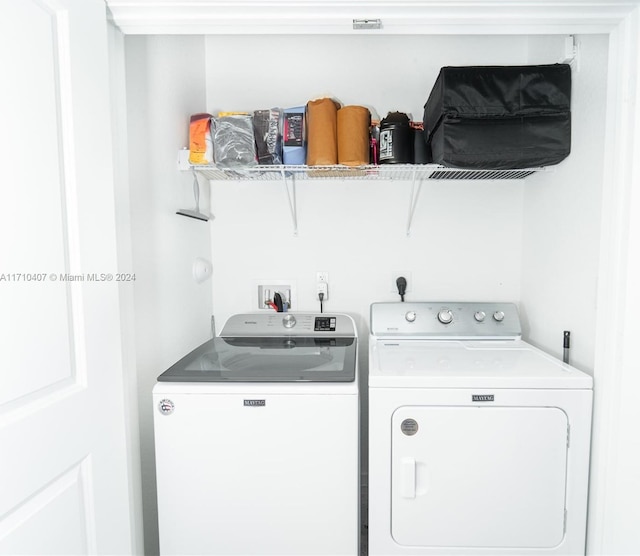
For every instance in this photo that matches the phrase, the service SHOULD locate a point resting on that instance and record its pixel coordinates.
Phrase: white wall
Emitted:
(562, 213)
(466, 237)
(165, 83)
(384, 73)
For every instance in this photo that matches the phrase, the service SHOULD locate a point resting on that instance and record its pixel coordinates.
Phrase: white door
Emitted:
(63, 469)
(479, 477)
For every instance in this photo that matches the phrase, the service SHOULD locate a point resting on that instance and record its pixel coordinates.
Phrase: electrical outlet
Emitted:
(323, 288)
(394, 275)
(322, 284)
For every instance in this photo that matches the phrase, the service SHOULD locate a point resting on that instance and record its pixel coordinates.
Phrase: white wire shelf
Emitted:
(369, 172)
(414, 173)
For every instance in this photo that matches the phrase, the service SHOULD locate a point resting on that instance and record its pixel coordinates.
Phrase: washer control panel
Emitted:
(446, 320)
(289, 324)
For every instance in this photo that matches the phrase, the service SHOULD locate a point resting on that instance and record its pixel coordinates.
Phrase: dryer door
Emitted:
(491, 477)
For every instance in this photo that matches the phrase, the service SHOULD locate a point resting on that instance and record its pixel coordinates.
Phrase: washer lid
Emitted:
(468, 364)
(267, 359)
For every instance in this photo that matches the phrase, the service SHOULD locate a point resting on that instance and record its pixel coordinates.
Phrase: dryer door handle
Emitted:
(408, 477)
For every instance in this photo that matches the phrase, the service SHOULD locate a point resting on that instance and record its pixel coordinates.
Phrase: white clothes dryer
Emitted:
(478, 441)
(257, 440)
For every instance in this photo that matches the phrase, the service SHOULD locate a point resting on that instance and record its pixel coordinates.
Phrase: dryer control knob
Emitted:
(498, 316)
(445, 316)
(289, 321)
(410, 316)
(479, 316)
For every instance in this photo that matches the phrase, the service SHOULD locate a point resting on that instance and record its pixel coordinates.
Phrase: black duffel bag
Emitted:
(499, 117)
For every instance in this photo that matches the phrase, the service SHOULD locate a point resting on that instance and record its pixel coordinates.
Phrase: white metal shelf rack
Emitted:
(415, 173)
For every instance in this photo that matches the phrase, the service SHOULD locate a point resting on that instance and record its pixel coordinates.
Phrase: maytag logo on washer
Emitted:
(255, 403)
(166, 406)
(482, 398)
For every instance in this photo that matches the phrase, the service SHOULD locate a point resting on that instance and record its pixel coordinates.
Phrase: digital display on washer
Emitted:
(325, 324)
(267, 359)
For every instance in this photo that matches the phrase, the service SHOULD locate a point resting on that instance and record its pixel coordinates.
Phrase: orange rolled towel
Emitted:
(354, 124)
(322, 138)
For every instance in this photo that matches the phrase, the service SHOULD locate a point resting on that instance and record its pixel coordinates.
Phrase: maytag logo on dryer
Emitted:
(482, 398)
(255, 403)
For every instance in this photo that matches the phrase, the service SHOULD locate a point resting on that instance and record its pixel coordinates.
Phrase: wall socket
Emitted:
(322, 285)
(394, 275)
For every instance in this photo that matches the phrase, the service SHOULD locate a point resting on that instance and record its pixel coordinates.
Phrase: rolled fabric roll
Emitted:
(354, 124)
(322, 136)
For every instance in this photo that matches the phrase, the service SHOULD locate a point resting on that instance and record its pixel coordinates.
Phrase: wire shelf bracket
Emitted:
(291, 197)
(413, 201)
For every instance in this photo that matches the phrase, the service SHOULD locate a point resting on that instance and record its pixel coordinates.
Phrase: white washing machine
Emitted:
(256, 438)
(478, 442)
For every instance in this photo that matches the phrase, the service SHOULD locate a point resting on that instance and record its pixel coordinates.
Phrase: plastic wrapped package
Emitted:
(294, 150)
(500, 117)
(234, 144)
(374, 149)
(200, 141)
(267, 128)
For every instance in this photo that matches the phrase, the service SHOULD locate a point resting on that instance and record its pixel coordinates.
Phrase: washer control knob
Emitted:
(445, 316)
(289, 321)
(498, 316)
(479, 316)
(410, 316)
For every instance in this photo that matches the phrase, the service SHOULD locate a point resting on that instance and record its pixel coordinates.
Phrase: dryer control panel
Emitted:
(453, 320)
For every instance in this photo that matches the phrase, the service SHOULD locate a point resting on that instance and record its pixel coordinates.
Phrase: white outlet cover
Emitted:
(183, 159)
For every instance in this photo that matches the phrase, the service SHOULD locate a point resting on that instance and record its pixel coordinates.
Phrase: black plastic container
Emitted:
(396, 139)
(500, 117)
